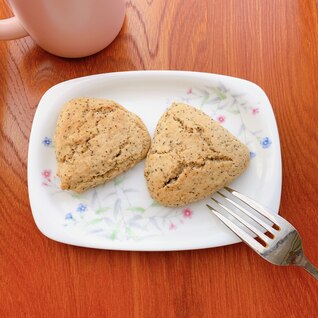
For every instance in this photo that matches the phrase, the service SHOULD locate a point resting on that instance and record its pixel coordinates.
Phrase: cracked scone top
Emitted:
(191, 156)
(96, 140)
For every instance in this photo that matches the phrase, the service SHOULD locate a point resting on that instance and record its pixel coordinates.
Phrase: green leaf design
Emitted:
(95, 221)
(136, 209)
(205, 99)
(75, 195)
(219, 93)
(118, 181)
(113, 235)
(155, 204)
(234, 111)
(102, 210)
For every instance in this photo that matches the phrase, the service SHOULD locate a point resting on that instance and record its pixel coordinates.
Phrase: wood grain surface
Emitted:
(273, 43)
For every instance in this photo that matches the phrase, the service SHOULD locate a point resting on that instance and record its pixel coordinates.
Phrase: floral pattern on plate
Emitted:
(114, 212)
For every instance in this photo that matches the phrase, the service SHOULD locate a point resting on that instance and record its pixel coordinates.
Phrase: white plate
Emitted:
(121, 214)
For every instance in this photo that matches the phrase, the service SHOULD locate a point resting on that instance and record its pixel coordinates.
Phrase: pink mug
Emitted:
(68, 28)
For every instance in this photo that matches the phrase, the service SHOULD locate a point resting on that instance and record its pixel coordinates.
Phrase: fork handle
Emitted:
(310, 268)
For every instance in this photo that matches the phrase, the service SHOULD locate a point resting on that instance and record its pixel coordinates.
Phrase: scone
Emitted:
(191, 156)
(96, 140)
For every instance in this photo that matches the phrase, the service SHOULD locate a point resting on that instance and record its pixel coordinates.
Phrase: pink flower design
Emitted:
(189, 91)
(255, 111)
(172, 227)
(46, 175)
(221, 119)
(187, 213)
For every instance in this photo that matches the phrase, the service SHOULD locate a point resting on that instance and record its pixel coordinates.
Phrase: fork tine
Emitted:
(254, 205)
(251, 215)
(251, 227)
(256, 246)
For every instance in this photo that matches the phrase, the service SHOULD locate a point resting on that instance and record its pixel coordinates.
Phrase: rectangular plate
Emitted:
(121, 214)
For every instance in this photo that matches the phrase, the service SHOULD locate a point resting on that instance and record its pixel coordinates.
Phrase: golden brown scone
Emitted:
(96, 140)
(191, 156)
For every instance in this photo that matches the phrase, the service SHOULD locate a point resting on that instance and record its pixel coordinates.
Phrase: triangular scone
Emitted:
(191, 156)
(96, 140)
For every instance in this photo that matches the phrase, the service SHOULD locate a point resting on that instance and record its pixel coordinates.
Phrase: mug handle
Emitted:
(11, 29)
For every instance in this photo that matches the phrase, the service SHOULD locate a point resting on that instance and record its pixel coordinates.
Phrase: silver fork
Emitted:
(269, 235)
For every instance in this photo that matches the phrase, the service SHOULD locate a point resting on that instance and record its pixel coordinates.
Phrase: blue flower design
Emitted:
(69, 216)
(266, 142)
(81, 208)
(252, 154)
(47, 141)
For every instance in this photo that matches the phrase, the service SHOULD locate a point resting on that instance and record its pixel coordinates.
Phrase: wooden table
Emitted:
(273, 43)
